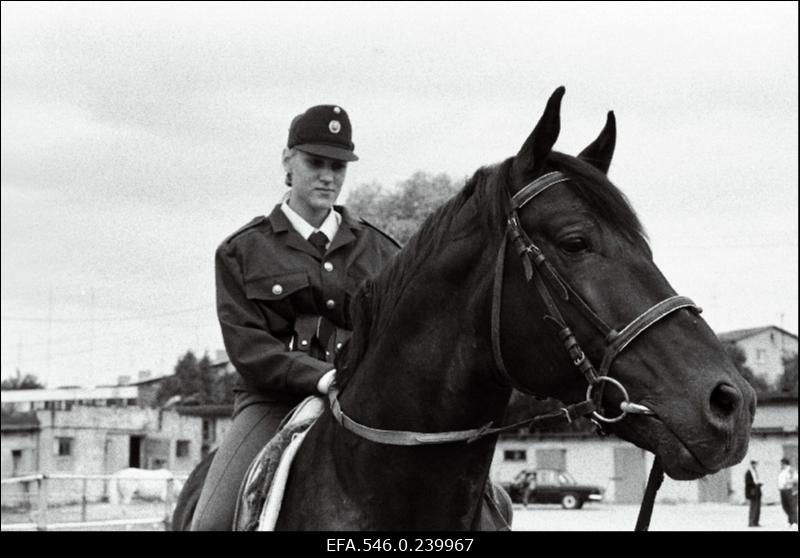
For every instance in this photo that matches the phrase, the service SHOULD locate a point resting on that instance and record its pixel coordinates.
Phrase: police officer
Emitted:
(284, 284)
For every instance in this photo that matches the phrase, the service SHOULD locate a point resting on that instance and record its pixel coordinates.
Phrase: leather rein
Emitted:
(550, 285)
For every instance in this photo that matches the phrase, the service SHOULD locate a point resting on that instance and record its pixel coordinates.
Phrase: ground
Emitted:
(539, 517)
(666, 517)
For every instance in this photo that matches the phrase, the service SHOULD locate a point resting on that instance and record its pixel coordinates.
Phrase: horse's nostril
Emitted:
(725, 399)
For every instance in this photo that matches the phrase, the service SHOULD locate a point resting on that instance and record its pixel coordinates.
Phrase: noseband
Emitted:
(548, 281)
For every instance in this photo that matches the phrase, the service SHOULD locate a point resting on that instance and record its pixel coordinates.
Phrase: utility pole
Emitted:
(49, 331)
(91, 338)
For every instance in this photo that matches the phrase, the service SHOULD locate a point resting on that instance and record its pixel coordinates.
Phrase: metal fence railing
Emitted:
(46, 502)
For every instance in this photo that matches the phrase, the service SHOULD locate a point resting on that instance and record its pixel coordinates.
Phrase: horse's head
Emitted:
(583, 244)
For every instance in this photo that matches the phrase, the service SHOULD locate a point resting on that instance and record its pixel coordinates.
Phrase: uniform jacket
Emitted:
(752, 489)
(272, 289)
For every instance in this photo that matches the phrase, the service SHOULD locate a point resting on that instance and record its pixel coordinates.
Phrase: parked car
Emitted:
(553, 487)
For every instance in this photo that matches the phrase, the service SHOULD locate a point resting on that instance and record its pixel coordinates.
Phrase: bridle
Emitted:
(547, 281)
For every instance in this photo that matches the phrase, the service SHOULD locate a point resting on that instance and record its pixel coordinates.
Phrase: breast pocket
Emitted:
(276, 288)
(282, 297)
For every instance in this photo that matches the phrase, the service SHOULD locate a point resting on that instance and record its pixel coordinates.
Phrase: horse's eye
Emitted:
(574, 244)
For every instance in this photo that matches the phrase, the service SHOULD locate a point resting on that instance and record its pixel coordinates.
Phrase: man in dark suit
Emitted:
(752, 491)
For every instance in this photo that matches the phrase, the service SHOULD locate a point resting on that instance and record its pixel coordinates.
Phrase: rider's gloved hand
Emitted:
(324, 383)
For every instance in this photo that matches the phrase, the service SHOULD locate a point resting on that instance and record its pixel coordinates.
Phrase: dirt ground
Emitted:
(137, 510)
(540, 517)
(666, 517)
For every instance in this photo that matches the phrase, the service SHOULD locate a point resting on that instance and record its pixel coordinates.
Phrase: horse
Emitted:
(147, 484)
(536, 271)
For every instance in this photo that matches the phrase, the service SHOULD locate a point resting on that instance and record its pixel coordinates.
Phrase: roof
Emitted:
(150, 380)
(778, 398)
(217, 410)
(68, 394)
(18, 421)
(739, 334)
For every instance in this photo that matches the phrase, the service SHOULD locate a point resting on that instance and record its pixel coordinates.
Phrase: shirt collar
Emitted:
(329, 226)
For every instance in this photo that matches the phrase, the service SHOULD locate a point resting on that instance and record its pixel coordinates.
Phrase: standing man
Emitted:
(284, 284)
(787, 484)
(752, 491)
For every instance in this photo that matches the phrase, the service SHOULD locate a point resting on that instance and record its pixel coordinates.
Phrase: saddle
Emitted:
(261, 492)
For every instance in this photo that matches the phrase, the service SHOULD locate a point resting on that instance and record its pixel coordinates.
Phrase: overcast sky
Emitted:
(136, 137)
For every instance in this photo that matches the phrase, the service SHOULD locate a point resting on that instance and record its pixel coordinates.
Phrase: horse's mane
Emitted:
(486, 191)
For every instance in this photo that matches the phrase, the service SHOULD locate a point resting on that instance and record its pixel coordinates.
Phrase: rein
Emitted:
(546, 281)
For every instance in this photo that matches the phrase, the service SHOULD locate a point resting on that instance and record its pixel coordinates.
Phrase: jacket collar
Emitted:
(345, 235)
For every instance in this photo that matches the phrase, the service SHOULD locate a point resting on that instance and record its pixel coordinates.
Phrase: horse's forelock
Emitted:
(603, 198)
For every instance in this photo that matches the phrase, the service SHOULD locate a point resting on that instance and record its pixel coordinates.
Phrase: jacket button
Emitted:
(330, 303)
(304, 342)
(277, 289)
(328, 266)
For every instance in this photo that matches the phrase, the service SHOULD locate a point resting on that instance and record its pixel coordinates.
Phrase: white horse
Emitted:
(149, 484)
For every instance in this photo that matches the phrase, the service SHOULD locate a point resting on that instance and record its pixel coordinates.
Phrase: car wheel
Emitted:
(570, 501)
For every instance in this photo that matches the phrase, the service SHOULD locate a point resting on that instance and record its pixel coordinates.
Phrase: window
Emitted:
(16, 458)
(182, 448)
(209, 431)
(63, 447)
(761, 355)
(514, 455)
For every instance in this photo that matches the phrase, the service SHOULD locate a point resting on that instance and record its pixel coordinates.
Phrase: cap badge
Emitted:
(334, 126)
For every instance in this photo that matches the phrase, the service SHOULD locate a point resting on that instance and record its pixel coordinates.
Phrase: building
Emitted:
(765, 349)
(88, 440)
(141, 393)
(98, 431)
(622, 468)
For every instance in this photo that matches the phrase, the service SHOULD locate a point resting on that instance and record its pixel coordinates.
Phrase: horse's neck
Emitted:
(430, 370)
(430, 367)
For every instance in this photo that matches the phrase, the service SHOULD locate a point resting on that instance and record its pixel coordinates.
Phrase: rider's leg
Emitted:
(253, 426)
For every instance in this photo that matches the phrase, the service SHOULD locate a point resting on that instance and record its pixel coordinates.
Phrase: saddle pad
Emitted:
(272, 507)
(265, 480)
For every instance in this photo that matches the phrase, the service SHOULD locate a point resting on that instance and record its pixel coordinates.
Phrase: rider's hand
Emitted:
(324, 383)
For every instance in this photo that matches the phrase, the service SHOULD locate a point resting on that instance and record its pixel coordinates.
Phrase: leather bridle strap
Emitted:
(401, 437)
(411, 438)
(653, 484)
(640, 324)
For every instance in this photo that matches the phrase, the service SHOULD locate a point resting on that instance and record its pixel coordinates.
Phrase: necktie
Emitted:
(324, 328)
(319, 241)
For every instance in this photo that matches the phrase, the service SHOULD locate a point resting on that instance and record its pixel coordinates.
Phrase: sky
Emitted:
(137, 136)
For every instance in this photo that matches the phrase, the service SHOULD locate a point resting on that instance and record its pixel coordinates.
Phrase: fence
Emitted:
(49, 512)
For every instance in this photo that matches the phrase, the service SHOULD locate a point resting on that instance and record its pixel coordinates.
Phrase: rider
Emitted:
(284, 284)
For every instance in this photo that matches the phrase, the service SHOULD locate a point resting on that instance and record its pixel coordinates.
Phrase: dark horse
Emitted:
(537, 269)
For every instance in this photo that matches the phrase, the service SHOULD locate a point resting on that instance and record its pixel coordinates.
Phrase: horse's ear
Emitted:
(534, 151)
(600, 151)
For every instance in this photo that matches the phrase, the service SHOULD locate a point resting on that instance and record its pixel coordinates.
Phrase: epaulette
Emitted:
(384, 233)
(256, 221)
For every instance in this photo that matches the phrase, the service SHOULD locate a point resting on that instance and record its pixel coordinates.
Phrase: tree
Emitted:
(29, 381)
(759, 383)
(196, 381)
(401, 210)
